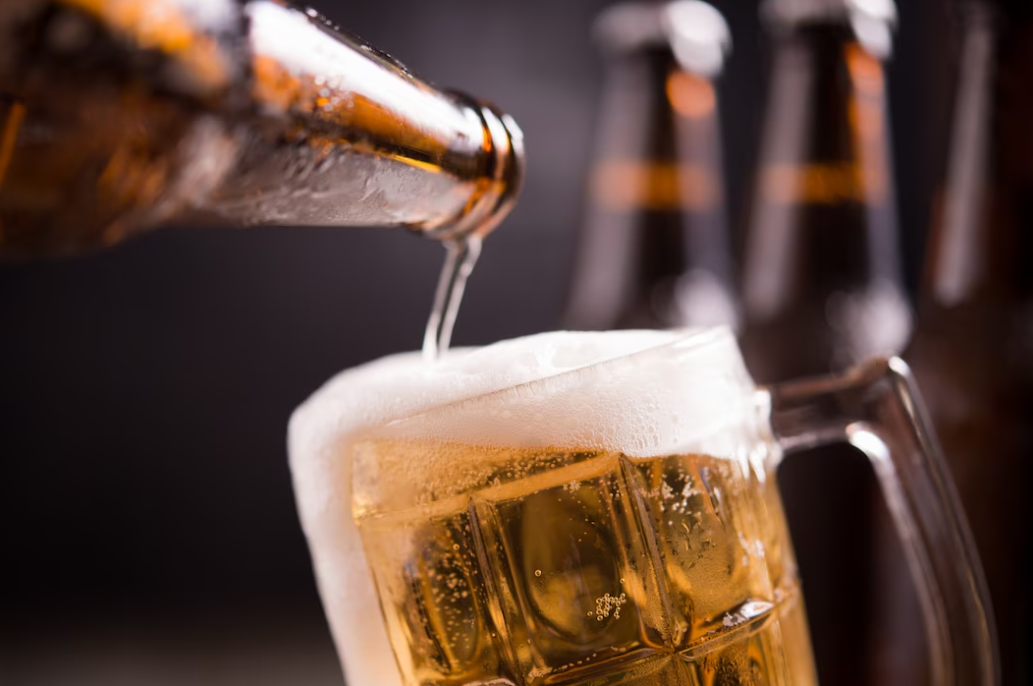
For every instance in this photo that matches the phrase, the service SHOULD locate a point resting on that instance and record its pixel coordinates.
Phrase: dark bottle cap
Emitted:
(694, 31)
(871, 21)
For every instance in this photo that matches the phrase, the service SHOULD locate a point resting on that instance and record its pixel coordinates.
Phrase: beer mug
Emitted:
(602, 508)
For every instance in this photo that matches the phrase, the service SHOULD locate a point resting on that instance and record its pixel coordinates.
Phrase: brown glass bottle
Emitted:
(822, 286)
(654, 247)
(973, 346)
(118, 115)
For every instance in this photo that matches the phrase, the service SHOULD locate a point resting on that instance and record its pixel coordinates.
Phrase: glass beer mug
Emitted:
(602, 508)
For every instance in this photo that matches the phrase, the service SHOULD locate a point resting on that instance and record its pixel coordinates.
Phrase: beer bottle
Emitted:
(973, 346)
(654, 248)
(117, 115)
(822, 286)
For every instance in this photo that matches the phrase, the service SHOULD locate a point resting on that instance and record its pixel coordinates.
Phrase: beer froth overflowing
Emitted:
(418, 482)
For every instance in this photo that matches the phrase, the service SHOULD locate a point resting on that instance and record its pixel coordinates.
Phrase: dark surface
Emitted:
(145, 391)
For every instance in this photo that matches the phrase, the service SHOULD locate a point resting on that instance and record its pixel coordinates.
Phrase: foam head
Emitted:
(640, 393)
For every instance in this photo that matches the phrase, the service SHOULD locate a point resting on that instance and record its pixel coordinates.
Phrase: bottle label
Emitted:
(821, 184)
(624, 185)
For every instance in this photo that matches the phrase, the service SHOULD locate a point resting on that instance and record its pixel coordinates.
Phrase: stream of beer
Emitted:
(461, 256)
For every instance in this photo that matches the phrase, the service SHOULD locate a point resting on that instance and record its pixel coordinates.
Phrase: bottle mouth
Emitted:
(502, 180)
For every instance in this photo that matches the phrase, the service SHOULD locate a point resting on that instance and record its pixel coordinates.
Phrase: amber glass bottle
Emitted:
(822, 286)
(973, 346)
(654, 249)
(119, 115)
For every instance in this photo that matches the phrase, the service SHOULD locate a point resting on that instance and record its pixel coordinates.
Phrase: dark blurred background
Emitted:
(148, 526)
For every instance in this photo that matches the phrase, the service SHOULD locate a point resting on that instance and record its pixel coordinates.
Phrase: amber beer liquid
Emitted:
(553, 541)
(518, 529)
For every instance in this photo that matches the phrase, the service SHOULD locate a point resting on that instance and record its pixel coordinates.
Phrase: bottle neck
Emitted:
(822, 287)
(824, 218)
(654, 249)
(366, 142)
(980, 249)
(655, 112)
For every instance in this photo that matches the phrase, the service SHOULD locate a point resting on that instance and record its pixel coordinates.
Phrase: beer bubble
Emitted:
(537, 572)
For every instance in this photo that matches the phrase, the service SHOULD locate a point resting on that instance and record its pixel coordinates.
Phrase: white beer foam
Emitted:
(658, 393)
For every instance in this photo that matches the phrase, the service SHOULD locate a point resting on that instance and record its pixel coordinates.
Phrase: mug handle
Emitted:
(876, 408)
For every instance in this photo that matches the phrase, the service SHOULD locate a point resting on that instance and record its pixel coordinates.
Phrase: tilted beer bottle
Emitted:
(117, 115)
(973, 346)
(654, 249)
(822, 285)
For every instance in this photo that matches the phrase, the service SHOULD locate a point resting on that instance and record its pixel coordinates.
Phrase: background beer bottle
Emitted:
(822, 286)
(973, 346)
(654, 249)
